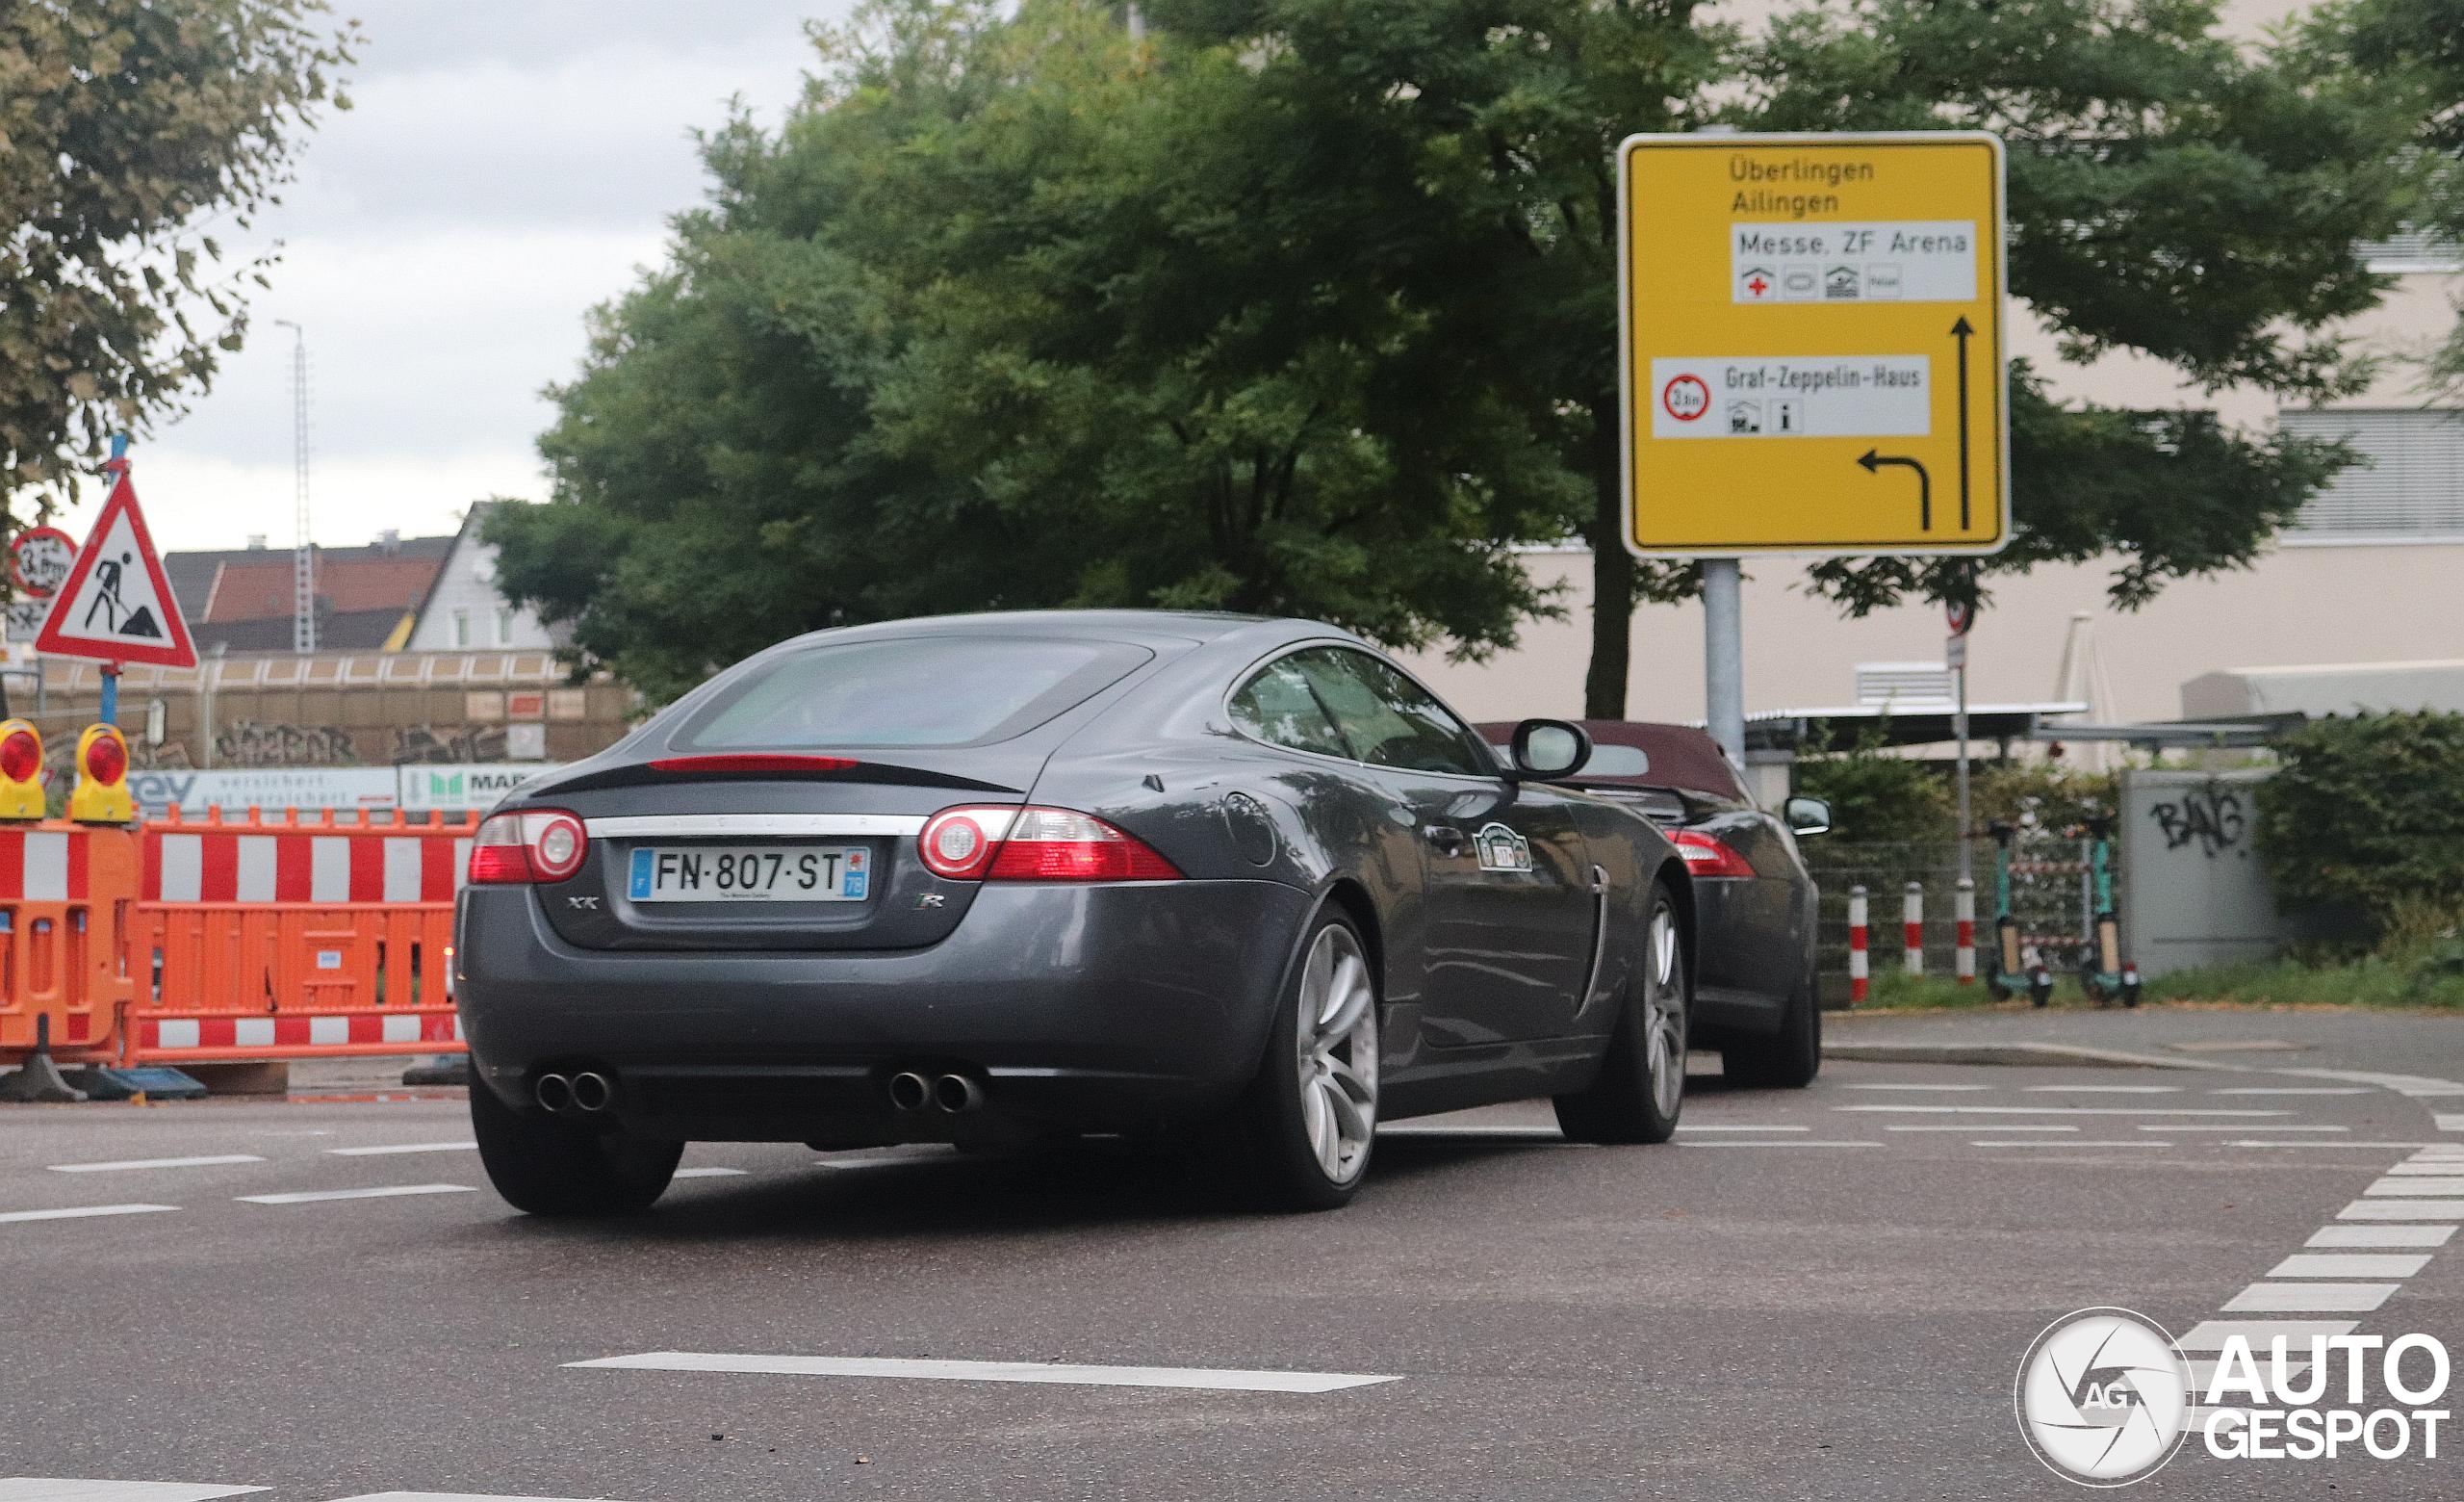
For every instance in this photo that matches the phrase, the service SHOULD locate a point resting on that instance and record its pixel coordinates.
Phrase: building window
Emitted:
(2412, 252)
(2409, 486)
(462, 627)
(505, 626)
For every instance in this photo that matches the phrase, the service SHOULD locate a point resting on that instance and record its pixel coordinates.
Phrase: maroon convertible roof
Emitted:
(1679, 756)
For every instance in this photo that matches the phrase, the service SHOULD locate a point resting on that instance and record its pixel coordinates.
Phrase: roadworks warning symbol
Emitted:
(117, 605)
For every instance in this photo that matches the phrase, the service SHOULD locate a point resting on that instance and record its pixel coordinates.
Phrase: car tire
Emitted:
(543, 1166)
(1788, 1059)
(1304, 1130)
(1641, 1088)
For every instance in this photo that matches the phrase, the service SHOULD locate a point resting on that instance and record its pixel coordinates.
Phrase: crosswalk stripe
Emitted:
(81, 1212)
(2350, 1264)
(2310, 1298)
(61, 1489)
(2416, 1187)
(2432, 1168)
(1199, 1378)
(388, 1150)
(2212, 1334)
(2404, 1210)
(318, 1195)
(2380, 1236)
(120, 1164)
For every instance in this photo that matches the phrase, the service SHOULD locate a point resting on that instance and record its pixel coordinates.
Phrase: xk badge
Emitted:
(1501, 849)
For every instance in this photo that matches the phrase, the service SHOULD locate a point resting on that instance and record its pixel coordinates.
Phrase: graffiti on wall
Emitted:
(2213, 817)
(259, 743)
(425, 745)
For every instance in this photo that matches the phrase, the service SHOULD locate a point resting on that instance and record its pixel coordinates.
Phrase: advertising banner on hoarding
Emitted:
(266, 788)
(462, 787)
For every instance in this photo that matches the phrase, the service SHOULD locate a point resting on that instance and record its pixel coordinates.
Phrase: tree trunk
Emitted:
(1612, 570)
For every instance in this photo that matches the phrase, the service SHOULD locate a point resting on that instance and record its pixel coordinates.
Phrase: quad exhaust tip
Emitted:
(593, 1091)
(909, 1091)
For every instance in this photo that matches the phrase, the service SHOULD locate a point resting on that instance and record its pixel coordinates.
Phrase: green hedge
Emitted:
(2365, 821)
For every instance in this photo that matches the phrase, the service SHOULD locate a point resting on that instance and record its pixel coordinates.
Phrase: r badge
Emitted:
(1501, 849)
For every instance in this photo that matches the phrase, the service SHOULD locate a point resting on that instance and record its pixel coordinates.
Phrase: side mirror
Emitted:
(1547, 749)
(1808, 815)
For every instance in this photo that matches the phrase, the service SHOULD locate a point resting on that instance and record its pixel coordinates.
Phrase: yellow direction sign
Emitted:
(1812, 344)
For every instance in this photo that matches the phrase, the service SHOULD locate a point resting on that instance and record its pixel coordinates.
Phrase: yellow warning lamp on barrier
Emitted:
(102, 795)
(21, 771)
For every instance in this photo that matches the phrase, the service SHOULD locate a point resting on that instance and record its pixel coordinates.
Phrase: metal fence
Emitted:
(2050, 895)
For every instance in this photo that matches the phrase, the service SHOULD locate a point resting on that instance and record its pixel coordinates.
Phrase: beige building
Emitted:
(2372, 574)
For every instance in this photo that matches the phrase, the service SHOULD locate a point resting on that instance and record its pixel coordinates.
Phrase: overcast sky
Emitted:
(508, 164)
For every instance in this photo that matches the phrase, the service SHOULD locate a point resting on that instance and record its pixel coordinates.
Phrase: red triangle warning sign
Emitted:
(116, 604)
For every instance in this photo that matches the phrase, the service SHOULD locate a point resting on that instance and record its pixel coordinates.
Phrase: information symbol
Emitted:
(1686, 397)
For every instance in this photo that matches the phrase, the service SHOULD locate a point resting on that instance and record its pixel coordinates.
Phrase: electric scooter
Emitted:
(2103, 974)
(2008, 972)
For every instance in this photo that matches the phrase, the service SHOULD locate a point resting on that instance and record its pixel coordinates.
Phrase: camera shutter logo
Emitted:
(2104, 1397)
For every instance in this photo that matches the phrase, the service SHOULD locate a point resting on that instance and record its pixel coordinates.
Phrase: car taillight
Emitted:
(20, 757)
(1706, 856)
(996, 844)
(532, 845)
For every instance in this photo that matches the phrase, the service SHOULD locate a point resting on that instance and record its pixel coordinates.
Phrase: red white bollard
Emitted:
(1857, 960)
(1912, 923)
(1964, 909)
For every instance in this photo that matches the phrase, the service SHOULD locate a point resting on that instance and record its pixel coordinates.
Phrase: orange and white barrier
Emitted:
(302, 864)
(1859, 961)
(67, 895)
(1963, 914)
(1913, 929)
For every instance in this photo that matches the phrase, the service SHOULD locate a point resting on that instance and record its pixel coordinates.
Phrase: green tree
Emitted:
(1309, 306)
(126, 128)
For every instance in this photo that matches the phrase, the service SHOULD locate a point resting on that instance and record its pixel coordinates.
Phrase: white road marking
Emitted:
(2442, 1150)
(1979, 1126)
(2211, 1335)
(2239, 1126)
(2282, 1142)
(2417, 1186)
(2321, 1298)
(2448, 1121)
(1915, 1087)
(445, 1497)
(384, 1192)
(177, 1162)
(1815, 1142)
(388, 1149)
(2350, 1264)
(57, 1488)
(2070, 1142)
(2291, 1090)
(82, 1211)
(1723, 1127)
(2203, 1373)
(1198, 1378)
(1470, 1131)
(2420, 1168)
(2403, 1209)
(2104, 1089)
(709, 1173)
(2381, 1236)
(2058, 1111)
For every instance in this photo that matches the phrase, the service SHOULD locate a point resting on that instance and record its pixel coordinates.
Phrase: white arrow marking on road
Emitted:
(1198, 1378)
(316, 1196)
(178, 1162)
(84, 1211)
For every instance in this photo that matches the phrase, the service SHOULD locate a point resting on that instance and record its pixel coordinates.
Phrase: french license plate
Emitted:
(750, 874)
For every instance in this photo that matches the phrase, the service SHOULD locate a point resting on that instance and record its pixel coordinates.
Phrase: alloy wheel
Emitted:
(1664, 1012)
(1338, 1053)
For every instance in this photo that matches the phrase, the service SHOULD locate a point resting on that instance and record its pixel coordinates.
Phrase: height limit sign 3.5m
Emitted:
(1812, 344)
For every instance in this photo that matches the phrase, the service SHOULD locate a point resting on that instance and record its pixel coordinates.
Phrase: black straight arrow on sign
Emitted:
(1873, 461)
(1962, 331)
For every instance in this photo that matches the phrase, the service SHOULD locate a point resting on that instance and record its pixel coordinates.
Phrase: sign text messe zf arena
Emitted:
(1814, 344)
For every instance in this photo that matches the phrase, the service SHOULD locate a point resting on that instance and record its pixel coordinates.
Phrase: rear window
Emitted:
(908, 692)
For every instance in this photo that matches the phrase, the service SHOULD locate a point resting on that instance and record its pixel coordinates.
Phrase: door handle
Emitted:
(1448, 838)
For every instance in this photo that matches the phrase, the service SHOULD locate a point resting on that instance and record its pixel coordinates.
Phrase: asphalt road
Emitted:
(1822, 1294)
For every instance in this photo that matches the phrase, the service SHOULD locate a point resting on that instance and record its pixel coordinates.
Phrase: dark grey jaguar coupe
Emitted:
(991, 877)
